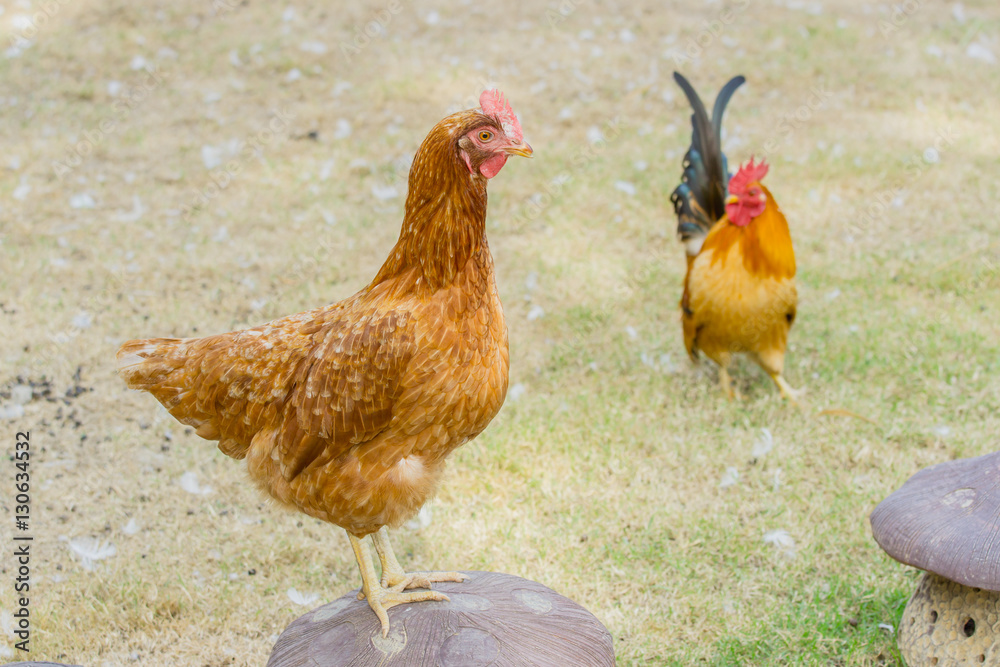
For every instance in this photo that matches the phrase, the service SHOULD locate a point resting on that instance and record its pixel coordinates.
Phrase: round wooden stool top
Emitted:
(492, 619)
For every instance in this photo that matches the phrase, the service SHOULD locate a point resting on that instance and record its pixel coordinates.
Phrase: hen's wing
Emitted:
(345, 391)
(322, 381)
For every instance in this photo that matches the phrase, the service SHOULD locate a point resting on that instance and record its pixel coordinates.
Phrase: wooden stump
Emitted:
(492, 619)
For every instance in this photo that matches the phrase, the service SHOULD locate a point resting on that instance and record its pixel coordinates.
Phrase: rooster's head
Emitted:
(491, 135)
(746, 196)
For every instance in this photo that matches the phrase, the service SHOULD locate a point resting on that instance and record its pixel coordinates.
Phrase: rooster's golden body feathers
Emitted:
(739, 293)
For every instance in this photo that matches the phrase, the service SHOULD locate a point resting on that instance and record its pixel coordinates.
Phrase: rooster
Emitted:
(347, 412)
(739, 291)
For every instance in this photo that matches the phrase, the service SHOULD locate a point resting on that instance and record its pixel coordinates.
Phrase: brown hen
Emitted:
(347, 412)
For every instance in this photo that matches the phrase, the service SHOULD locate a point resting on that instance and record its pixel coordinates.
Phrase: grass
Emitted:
(602, 478)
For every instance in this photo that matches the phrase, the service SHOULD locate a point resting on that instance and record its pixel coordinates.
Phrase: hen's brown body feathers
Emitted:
(348, 412)
(345, 412)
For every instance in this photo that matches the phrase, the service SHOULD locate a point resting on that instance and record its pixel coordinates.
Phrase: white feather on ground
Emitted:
(302, 599)
(782, 541)
(422, 520)
(764, 444)
(91, 549)
(189, 482)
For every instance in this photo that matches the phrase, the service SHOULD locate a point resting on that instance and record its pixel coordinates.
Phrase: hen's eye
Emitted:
(485, 135)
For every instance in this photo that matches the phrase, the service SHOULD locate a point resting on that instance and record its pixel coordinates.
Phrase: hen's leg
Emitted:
(395, 578)
(379, 598)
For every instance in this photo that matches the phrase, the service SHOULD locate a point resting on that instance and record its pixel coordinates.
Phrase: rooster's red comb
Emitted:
(494, 104)
(747, 174)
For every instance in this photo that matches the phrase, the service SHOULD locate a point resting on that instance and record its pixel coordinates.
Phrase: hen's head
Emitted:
(487, 136)
(746, 196)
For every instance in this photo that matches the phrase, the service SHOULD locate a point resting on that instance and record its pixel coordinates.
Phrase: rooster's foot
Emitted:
(787, 392)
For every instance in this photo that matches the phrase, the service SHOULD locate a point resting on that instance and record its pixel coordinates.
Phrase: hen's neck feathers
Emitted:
(444, 225)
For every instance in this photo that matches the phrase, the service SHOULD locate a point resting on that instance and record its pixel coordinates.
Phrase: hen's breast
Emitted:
(458, 375)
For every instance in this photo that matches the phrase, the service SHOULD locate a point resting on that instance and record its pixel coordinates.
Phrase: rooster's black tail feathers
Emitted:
(700, 199)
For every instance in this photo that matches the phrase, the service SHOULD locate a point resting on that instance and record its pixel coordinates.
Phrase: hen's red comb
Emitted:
(493, 103)
(747, 174)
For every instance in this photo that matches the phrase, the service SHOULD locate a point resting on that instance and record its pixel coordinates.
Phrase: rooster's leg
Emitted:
(395, 578)
(381, 599)
(726, 383)
(786, 389)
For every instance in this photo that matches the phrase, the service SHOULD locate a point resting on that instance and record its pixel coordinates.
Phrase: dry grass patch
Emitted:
(603, 478)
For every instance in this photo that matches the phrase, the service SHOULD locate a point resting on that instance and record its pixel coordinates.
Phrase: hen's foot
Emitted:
(400, 581)
(380, 598)
(395, 578)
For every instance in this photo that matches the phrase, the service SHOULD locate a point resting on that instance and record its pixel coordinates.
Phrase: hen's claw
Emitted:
(393, 575)
(400, 581)
(387, 593)
(382, 599)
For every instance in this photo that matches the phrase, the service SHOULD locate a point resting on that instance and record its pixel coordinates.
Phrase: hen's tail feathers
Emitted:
(160, 366)
(700, 199)
(147, 364)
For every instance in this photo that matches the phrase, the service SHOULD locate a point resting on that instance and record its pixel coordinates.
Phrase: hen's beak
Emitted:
(523, 149)
(732, 199)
